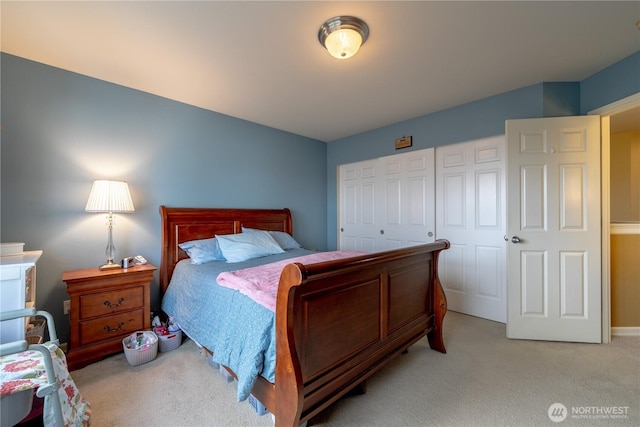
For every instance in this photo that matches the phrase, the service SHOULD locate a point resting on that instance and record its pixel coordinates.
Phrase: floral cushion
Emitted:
(25, 370)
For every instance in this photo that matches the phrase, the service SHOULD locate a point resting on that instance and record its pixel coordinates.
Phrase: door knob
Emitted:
(515, 239)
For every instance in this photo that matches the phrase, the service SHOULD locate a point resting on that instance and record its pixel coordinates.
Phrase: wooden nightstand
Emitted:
(106, 306)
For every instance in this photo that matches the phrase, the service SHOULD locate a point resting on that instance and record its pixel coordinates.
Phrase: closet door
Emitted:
(387, 203)
(407, 211)
(471, 214)
(357, 190)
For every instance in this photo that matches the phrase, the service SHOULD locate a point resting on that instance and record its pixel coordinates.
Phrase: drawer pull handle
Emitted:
(108, 303)
(108, 329)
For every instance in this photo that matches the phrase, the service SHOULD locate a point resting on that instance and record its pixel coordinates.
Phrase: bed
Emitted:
(335, 322)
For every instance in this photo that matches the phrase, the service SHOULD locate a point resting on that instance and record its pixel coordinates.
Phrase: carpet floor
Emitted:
(484, 379)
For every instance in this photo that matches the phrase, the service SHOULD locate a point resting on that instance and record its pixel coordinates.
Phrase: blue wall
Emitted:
(467, 122)
(61, 130)
(481, 119)
(616, 82)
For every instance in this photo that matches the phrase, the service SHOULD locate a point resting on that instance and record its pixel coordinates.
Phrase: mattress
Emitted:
(239, 331)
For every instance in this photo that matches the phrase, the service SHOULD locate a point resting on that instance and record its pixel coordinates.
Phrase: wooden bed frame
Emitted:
(337, 322)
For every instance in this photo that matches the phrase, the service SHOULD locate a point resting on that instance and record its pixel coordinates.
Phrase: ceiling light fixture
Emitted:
(342, 36)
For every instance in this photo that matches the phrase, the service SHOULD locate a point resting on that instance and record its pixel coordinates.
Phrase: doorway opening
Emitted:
(619, 117)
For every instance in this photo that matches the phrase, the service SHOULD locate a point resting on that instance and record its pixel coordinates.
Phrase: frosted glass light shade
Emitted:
(342, 36)
(109, 196)
(343, 43)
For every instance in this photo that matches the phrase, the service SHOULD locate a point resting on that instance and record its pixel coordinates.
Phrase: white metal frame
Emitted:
(51, 387)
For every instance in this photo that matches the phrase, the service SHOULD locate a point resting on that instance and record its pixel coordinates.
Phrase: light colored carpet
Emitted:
(483, 380)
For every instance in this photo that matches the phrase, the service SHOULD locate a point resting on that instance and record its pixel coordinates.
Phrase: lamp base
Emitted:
(110, 266)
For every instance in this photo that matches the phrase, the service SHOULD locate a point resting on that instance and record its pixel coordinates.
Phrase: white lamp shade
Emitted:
(343, 43)
(109, 196)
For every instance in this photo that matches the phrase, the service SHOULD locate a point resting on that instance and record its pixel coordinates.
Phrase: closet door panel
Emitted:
(471, 214)
(358, 199)
(387, 203)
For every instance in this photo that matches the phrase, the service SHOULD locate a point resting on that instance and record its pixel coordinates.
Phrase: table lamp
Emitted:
(110, 197)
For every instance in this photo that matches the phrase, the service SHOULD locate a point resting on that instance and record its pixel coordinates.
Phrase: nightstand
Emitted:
(106, 306)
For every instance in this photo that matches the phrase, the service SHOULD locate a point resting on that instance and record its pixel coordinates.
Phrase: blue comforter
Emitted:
(240, 332)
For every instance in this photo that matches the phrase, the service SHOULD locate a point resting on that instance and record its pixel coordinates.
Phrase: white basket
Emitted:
(142, 355)
(170, 342)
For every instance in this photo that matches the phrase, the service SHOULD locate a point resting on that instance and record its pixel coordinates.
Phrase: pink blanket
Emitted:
(261, 283)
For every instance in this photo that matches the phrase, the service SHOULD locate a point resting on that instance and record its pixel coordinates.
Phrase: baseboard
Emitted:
(626, 331)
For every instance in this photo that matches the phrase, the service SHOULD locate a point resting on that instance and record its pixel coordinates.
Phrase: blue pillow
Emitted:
(244, 246)
(203, 251)
(283, 239)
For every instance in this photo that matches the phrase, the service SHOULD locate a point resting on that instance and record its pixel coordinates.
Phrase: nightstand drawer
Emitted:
(108, 327)
(92, 305)
(106, 306)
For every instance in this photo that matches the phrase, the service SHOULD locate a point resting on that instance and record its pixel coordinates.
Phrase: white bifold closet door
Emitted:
(471, 214)
(453, 192)
(387, 203)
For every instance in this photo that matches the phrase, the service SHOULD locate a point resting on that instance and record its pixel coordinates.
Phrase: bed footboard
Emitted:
(338, 322)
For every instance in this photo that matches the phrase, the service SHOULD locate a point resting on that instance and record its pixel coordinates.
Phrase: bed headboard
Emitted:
(185, 224)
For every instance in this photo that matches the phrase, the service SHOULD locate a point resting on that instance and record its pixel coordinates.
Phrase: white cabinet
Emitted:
(17, 290)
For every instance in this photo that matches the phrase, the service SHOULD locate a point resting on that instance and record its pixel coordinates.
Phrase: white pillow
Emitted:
(244, 246)
(203, 250)
(283, 239)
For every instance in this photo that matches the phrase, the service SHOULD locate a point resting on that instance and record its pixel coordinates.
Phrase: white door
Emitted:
(406, 211)
(358, 183)
(387, 203)
(553, 227)
(471, 214)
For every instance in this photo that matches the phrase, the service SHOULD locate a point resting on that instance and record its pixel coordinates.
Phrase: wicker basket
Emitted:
(34, 339)
(170, 342)
(36, 329)
(138, 356)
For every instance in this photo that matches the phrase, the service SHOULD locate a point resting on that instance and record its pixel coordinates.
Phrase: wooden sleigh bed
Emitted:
(337, 322)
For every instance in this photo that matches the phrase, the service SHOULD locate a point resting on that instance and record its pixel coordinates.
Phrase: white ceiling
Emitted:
(261, 60)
